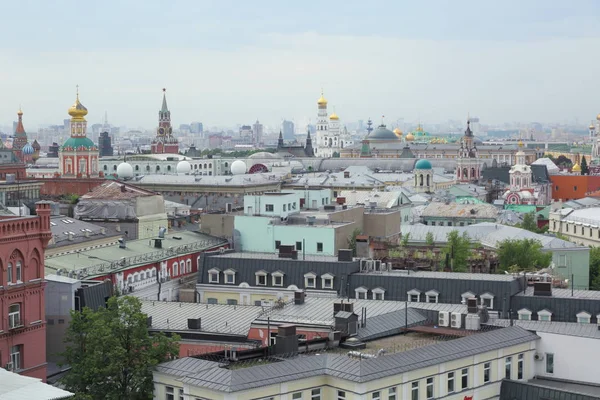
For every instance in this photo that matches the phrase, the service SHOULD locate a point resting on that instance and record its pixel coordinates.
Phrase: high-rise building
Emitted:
(78, 156)
(287, 127)
(105, 145)
(164, 142)
(196, 127)
(257, 128)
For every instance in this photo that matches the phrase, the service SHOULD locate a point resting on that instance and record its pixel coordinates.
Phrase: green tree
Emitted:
(405, 239)
(529, 222)
(524, 254)
(429, 239)
(352, 241)
(458, 247)
(112, 354)
(595, 268)
(585, 170)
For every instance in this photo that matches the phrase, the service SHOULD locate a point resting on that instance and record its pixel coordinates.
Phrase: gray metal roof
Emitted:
(563, 306)
(390, 324)
(215, 318)
(341, 366)
(81, 231)
(559, 328)
(538, 388)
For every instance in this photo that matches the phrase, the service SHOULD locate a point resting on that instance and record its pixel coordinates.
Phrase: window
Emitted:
(549, 363)
(299, 246)
(319, 247)
(273, 338)
(429, 389)
(486, 372)
(175, 269)
(520, 366)
(524, 314)
(284, 207)
(181, 394)
(19, 271)
(261, 278)
(277, 278)
(575, 188)
(450, 382)
(507, 367)
(232, 302)
(414, 391)
(315, 394)
(213, 275)
(269, 208)
(188, 264)
(230, 276)
(432, 296)
(212, 300)
(361, 293)
(414, 296)
(327, 281)
(170, 393)
(464, 379)
(10, 272)
(341, 395)
(14, 316)
(584, 317)
(297, 396)
(310, 280)
(392, 393)
(378, 293)
(487, 299)
(544, 315)
(16, 356)
(277, 244)
(376, 396)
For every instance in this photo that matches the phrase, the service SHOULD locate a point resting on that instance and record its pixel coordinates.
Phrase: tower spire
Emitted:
(164, 102)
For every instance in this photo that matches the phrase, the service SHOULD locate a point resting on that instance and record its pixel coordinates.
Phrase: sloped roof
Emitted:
(19, 387)
(113, 190)
(210, 375)
(550, 166)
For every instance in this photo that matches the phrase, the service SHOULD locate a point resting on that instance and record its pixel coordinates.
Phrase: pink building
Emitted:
(22, 317)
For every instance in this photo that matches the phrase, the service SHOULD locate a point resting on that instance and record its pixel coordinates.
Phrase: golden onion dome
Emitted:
(576, 168)
(322, 101)
(410, 137)
(598, 117)
(334, 116)
(19, 113)
(398, 132)
(78, 110)
(592, 127)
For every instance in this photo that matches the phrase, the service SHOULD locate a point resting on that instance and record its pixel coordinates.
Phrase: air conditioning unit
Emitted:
(181, 281)
(443, 319)
(538, 357)
(456, 320)
(9, 366)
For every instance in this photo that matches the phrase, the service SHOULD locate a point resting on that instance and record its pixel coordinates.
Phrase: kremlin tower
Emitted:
(322, 126)
(164, 142)
(78, 156)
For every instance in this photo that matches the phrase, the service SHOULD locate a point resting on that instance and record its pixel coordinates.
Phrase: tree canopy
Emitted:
(458, 248)
(522, 255)
(595, 268)
(112, 354)
(585, 170)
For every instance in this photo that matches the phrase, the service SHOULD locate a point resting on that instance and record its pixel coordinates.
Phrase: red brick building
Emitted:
(22, 316)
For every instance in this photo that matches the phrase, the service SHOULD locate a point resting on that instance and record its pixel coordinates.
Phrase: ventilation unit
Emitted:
(538, 357)
(456, 320)
(443, 318)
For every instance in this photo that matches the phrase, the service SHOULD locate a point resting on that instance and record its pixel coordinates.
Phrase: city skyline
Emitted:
(233, 63)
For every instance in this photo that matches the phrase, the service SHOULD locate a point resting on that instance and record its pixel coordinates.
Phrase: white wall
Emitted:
(575, 358)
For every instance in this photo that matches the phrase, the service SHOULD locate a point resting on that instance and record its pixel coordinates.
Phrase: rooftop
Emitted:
(273, 256)
(19, 387)
(444, 275)
(215, 318)
(99, 261)
(67, 231)
(113, 190)
(457, 210)
(559, 328)
(210, 375)
(219, 180)
(567, 293)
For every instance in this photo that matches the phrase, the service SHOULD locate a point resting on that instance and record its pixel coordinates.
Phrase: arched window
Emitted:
(189, 266)
(157, 168)
(427, 180)
(168, 168)
(105, 168)
(10, 273)
(465, 173)
(114, 167)
(421, 180)
(175, 269)
(137, 167)
(148, 168)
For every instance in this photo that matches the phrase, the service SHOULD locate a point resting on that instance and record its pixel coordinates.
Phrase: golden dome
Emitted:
(410, 137)
(576, 168)
(333, 116)
(19, 113)
(398, 132)
(322, 101)
(592, 127)
(78, 110)
(520, 144)
(598, 117)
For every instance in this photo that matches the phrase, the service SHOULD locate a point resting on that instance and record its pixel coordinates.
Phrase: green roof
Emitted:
(423, 164)
(77, 143)
(520, 208)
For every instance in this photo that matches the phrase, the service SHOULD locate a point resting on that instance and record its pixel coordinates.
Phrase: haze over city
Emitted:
(232, 62)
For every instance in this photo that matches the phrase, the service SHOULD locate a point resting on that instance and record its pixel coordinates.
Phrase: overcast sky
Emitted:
(226, 62)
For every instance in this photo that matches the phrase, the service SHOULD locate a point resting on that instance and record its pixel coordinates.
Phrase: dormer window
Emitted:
(467, 295)
(432, 296)
(414, 296)
(310, 280)
(327, 281)
(545, 315)
(487, 299)
(213, 275)
(584, 317)
(277, 278)
(230, 276)
(361, 293)
(524, 314)
(378, 293)
(261, 278)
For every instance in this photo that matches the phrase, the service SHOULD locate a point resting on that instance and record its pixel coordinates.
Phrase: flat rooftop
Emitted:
(273, 256)
(138, 252)
(215, 318)
(566, 293)
(444, 275)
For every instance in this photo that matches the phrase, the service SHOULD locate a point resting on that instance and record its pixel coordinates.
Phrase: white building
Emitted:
(322, 126)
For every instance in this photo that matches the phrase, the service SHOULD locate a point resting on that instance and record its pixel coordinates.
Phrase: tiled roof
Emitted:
(213, 377)
(114, 190)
